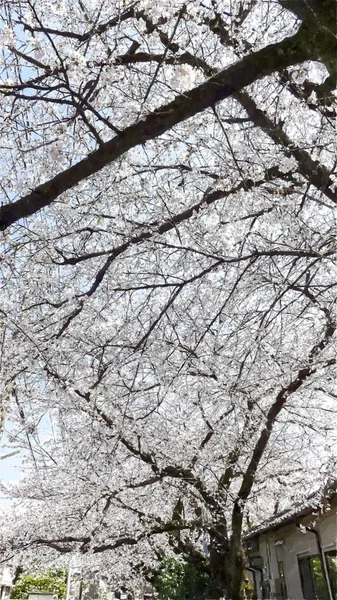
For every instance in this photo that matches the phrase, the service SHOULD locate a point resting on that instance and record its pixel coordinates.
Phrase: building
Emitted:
(6, 581)
(293, 555)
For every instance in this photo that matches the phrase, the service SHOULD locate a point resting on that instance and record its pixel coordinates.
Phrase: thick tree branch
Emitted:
(58, 544)
(313, 171)
(224, 84)
(317, 174)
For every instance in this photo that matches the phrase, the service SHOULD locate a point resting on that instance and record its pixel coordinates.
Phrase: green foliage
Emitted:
(319, 579)
(178, 580)
(52, 581)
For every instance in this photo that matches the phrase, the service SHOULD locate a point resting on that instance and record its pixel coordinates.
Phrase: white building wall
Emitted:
(5, 575)
(295, 545)
(6, 581)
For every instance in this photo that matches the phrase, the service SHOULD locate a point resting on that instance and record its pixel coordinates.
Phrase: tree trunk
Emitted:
(227, 568)
(234, 568)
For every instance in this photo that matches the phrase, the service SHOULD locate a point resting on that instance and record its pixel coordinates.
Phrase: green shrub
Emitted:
(178, 580)
(52, 581)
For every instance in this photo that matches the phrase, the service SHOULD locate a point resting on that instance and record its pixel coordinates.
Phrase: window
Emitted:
(331, 559)
(283, 587)
(312, 576)
(4, 592)
(253, 545)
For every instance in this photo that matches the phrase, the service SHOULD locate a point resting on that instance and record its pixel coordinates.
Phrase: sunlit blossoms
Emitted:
(168, 278)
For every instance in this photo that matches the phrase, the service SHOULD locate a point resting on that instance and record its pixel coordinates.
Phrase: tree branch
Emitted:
(220, 86)
(303, 374)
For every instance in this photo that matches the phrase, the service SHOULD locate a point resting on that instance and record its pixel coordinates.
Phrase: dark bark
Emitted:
(319, 19)
(318, 175)
(226, 571)
(222, 85)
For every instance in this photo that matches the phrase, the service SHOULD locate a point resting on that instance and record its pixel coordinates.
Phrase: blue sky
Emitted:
(10, 468)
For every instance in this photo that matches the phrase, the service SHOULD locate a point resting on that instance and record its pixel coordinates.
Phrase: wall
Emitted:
(5, 575)
(288, 544)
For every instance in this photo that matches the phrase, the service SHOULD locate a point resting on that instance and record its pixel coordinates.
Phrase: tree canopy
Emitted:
(167, 277)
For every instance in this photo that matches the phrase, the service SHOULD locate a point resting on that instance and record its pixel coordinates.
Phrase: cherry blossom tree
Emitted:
(167, 274)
